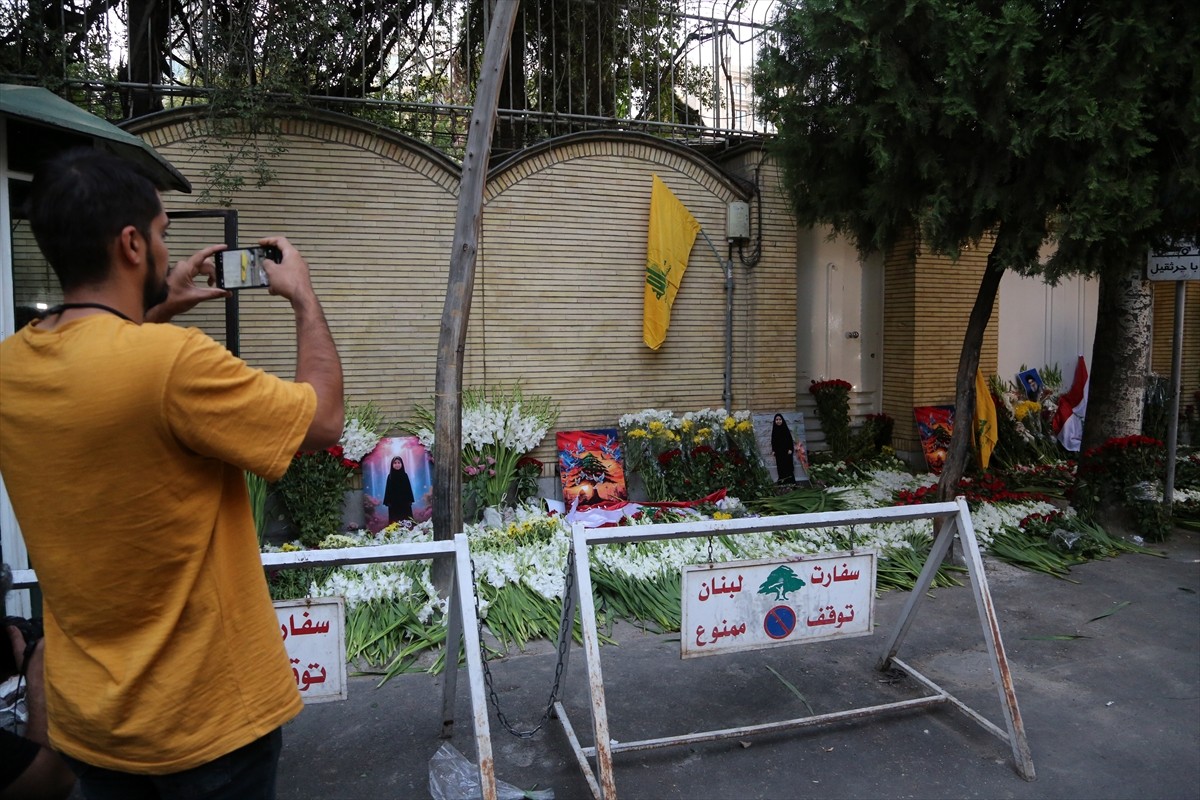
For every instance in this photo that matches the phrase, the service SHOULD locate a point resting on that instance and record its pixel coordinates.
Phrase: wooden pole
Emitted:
(447, 447)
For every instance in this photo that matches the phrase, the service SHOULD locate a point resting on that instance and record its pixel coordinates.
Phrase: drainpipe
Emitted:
(727, 396)
(727, 264)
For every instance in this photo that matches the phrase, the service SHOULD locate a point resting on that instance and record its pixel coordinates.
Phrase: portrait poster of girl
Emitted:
(397, 483)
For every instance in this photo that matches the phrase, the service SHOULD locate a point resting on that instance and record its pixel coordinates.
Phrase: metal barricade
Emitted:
(953, 519)
(463, 625)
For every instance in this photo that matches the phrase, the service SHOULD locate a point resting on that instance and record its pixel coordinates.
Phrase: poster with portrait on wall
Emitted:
(591, 466)
(397, 483)
(935, 424)
(782, 445)
(1030, 382)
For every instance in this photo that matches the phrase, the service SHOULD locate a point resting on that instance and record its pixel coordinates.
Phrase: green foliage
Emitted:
(802, 500)
(1122, 473)
(954, 119)
(899, 566)
(833, 411)
(257, 488)
(313, 491)
(1053, 543)
(293, 584)
(1156, 407)
(529, 470)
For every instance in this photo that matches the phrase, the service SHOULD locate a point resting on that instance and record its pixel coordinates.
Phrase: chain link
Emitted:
(564, 644)
(710, 551)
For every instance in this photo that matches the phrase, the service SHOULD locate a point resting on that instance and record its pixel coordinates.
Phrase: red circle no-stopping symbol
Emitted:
(780, 622)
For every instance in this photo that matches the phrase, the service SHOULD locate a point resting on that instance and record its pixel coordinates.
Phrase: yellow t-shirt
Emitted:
(122, 447)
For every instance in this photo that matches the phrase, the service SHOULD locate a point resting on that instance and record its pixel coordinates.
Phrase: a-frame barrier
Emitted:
(952, 519)
(462, 621)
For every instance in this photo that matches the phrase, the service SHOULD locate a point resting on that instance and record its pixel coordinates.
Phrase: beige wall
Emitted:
(926, 306)
(557, 303)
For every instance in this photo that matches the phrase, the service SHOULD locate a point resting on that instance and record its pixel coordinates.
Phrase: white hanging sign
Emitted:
(750, 605)
(315, 639)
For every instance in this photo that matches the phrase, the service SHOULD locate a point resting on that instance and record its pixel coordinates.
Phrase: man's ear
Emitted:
(131, 246)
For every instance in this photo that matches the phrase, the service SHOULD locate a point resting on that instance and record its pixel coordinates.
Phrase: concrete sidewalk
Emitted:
(1115, 714)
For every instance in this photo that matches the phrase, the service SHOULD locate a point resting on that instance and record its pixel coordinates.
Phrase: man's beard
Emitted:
(154, 289)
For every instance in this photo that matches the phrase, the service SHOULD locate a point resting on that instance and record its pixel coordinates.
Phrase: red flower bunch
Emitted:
(816, 387)
(337, 452)
(987, 489)
(1043, 522)
(529, 461)
(914, 497)
(666, 458)
(1121, 443)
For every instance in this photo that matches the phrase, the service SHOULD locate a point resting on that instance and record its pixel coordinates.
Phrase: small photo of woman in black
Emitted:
(398, 496)
(783, 446)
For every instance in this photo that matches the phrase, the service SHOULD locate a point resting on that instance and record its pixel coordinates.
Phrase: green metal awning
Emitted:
(42, 107)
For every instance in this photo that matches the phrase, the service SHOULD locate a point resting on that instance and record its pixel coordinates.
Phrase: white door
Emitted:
(841, 313)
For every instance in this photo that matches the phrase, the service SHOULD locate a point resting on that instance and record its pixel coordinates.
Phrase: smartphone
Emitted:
(243, 269)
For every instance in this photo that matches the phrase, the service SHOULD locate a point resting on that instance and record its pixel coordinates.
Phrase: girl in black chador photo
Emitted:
(782, 445)
(398, 494)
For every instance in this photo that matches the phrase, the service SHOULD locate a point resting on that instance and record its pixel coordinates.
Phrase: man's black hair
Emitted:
(79, 202)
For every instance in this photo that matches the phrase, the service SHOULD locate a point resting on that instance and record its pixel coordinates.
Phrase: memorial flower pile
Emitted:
(500, 426)
(394, 614)
(313, 488)
(692, 456)
(396, 618)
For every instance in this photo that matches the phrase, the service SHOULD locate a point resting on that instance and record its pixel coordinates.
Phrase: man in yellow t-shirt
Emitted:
(122, 445)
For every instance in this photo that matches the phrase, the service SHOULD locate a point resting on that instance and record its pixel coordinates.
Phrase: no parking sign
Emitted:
(749, 605)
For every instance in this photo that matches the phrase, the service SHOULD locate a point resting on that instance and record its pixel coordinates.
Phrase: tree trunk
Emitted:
(148, 23)
(1120, 356)
(968, 362)
(447, 446)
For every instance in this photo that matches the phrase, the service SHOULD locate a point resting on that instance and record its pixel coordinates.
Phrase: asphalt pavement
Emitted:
(1105, 666)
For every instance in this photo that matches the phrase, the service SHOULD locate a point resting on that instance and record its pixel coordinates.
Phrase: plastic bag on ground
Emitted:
(453, 777)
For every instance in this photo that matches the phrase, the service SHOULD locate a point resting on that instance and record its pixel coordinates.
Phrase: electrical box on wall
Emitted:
(737, 222)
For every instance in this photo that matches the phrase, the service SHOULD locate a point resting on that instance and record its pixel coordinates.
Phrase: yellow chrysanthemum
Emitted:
(686, 425)
(655, 425)
(744, 426)
(703, 434)
(288, 547)
(722, 515)
(637, 433)
(730, 423)
(1025, 408)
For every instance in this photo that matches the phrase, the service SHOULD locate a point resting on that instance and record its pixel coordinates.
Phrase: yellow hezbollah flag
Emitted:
(985, 419)
(672, 232)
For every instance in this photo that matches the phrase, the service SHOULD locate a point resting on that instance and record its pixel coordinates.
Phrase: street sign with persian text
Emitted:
(1179, 263)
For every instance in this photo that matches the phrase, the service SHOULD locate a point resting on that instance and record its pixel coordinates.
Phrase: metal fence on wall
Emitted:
(676, 68)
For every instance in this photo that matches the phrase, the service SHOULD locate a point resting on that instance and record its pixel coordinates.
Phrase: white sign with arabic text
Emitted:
(315, 639)
(749, 605)
(1180, 263)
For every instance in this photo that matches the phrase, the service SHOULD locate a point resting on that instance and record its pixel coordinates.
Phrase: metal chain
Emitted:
(568, 585)
(710, 551)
